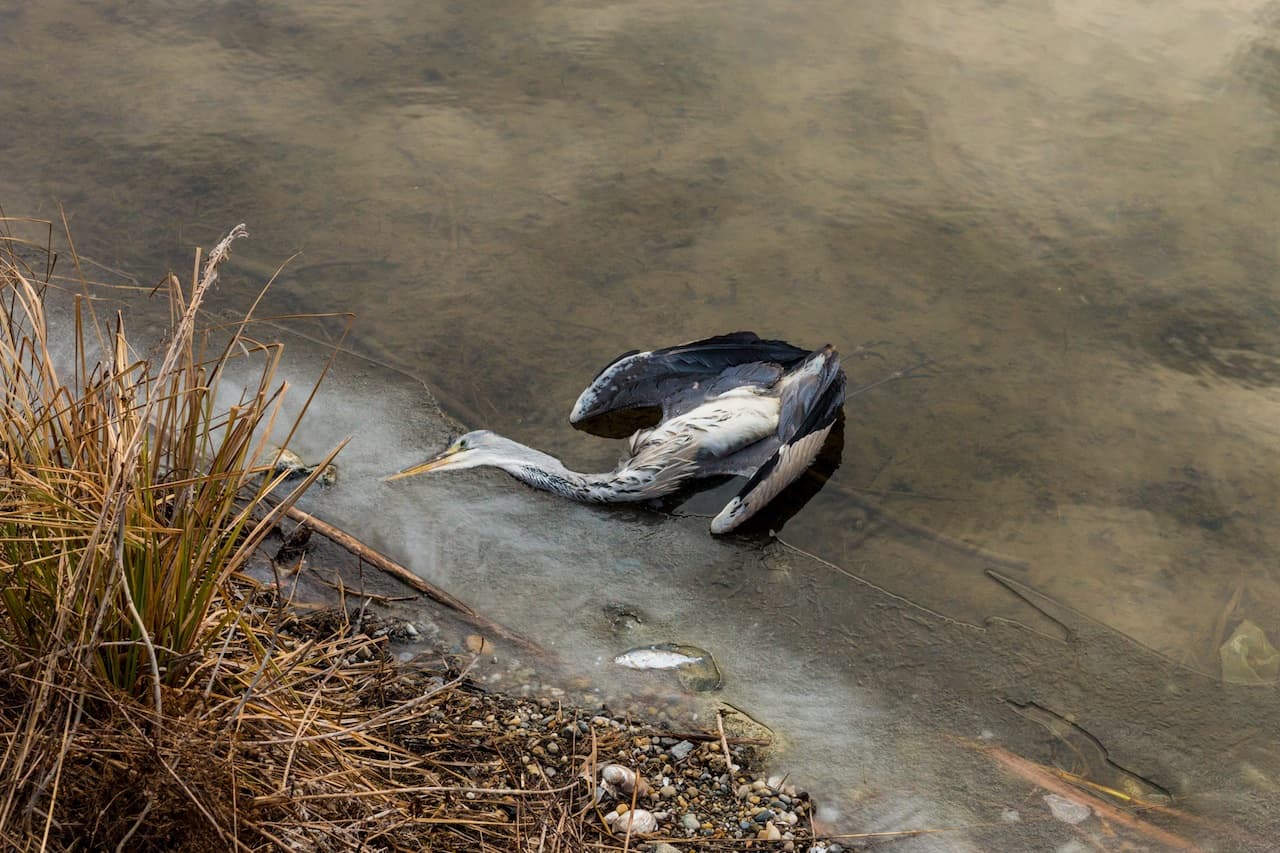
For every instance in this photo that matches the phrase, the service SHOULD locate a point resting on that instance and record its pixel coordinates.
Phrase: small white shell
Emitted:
(624, 779)
(637, 821)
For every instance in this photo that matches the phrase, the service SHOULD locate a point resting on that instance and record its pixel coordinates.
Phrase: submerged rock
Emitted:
(1248, 656)
(292, 465)
(1067, 811)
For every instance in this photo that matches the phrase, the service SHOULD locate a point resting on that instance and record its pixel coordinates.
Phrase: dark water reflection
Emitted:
(1071, 208)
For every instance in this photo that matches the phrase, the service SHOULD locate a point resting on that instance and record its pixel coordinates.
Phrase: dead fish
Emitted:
(695, 667)
(661, 656)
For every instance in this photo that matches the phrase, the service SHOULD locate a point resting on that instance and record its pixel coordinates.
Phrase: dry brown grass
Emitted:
(151, 698)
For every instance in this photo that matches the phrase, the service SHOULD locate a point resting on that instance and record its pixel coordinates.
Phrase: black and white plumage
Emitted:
(731, 404)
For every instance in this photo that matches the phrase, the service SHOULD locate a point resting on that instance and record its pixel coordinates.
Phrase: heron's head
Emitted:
(481, 447)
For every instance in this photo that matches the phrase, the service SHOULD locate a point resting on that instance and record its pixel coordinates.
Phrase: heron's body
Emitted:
(730, 405)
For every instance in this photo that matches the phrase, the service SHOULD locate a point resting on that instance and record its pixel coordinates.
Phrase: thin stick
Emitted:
(1042, 777)
(729, 766)
(385, 564)
(705, 736)
(380, 561)
(152, 661)
(123, 845)
(393, 713)
(277, 799)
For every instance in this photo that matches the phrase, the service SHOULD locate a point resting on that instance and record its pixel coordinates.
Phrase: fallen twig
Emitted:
(383, 563)
(729, 766)
(1048, 780)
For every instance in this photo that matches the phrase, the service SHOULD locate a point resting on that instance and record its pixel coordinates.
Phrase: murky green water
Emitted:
(1071, 208)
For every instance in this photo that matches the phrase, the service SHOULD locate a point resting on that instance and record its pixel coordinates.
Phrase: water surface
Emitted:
(1070, 208)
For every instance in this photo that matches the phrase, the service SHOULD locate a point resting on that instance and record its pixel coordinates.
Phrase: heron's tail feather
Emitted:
(811, 394)
(811, 399)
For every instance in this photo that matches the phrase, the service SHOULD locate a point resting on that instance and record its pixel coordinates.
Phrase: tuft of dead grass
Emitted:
(151, 697)
(146, 700)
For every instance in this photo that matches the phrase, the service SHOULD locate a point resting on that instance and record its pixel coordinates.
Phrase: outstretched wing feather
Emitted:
(781, 470)
(677, 378)
(815, 418)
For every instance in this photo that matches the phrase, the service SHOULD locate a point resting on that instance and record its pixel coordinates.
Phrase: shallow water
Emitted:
(1070, 208)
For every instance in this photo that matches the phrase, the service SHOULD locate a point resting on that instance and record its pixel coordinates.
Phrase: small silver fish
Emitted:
(661, 656)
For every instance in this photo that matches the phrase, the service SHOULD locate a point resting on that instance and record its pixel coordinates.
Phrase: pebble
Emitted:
(477, 644)
(681, 750)
(686, 777)
(1067, 811)
(703, 794)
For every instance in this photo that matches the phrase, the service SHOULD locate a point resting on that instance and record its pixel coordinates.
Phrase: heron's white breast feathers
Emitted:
(719, 427)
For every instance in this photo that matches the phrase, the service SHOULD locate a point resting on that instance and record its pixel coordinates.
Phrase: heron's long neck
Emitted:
(544, 471)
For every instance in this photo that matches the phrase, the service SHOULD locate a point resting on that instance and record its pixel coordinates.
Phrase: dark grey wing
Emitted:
(804, 387)
(761, 374)
(669, 378)
(811, 403)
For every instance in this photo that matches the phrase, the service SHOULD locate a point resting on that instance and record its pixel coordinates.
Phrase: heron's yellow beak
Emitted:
(437, 461)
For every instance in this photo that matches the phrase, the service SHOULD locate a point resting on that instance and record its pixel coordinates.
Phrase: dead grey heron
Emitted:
(731, 404)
